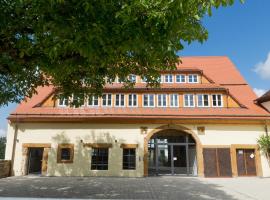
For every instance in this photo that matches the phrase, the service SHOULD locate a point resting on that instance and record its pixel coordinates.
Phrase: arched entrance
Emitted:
(172, 150)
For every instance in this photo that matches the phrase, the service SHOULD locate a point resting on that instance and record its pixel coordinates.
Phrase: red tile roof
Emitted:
(219, 69)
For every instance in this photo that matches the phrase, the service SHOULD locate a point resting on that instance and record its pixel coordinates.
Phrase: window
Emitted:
(107, 100)
(189, 100)
(217, 100)
(99, 159)
(193, 78)
(174, 100)
(65, 153)
(132, 78)
(143, 79)
(78, 100)
(168, 78)
(119, 100)
(180, 78)
(132, 100)
(93, 101)
(148, 100)
(162, 100)
(129, 158)
(63, 102)
(203, 100)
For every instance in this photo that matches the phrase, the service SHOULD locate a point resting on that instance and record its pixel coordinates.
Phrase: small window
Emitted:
(99, 159)
(189, 100)
(217, 100)
(203, 100)
(174, 102)
(132, 100)
(93, 101)
(107, 100)
(193, 78)
(148, 100)
(78, 100)
(132, 78)
(143, 79)
(63, 102)
(162, 100)
(129, 158)
(119, 100)
(180, 78)
(168, 78)
(65, 153)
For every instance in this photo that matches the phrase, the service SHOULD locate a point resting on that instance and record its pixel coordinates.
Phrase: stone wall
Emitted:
(4, 168)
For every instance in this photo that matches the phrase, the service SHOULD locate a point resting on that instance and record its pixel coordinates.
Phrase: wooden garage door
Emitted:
(246, 165)
(217, 162)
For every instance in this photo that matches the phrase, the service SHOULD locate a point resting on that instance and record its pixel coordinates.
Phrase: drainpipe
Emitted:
(13, 149)
(266, 128)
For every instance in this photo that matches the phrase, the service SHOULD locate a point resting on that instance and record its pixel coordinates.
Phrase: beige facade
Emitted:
(117, 134)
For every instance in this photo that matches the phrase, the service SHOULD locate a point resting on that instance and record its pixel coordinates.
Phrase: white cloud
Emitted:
(2, 132)
(263, 68)
(259, 92)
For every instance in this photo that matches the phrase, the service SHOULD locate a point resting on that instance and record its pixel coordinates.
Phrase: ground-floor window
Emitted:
(100, 159)
(65, 153)
(129, 158)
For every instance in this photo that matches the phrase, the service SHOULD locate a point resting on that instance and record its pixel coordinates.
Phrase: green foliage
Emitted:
(2, 147)
(75, 44)
(264, 143)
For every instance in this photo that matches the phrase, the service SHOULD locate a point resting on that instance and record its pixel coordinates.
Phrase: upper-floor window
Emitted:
(132, 100)
(174, 102)
(189, 100)
(119, 100)
(92, 101)
(78, 100)
(168, 78)
(217, 100)
(148, 100)
(193, 78)
(180, 78)
(63, 102)
(107, 100)
(203, 100)
(132, 78)
(162, 100)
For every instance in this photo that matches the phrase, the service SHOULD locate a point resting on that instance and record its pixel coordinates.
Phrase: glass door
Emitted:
(164, 162)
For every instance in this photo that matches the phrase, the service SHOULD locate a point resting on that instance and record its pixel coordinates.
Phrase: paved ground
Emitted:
(136, 188)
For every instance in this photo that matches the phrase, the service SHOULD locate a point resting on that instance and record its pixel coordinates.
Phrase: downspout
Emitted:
(266, 128)
(13, 149)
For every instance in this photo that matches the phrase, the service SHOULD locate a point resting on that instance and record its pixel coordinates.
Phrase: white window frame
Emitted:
(193, 75)
(132, 100)
(172, 100)
(203, 95)
(189, 100)
(79, 98)
(131, 78)
(120, 100)
(221, 100)
(148, 102)
(107, 105)
(143, 80)
(63, 105)
(162, 100)
(93, 100)
(180, 78)
(168, 78)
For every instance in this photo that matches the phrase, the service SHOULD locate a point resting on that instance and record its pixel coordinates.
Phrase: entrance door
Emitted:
(246, 165)
(35, 160)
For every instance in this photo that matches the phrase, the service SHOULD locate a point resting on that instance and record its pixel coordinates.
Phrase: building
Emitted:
(264, 101)
(202, 121)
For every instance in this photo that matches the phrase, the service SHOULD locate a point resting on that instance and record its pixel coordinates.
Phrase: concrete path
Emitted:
(135, 188)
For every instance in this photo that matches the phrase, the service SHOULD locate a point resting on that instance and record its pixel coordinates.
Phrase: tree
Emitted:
(2, 147)
(76, 44)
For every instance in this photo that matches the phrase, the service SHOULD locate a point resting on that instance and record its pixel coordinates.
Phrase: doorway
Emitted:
(35, 156)
(246, 164)
(171, 152)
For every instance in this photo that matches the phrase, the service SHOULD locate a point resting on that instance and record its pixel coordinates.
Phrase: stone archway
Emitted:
(178, 128)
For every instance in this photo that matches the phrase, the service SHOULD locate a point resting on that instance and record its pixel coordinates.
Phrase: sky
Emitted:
(241, 32)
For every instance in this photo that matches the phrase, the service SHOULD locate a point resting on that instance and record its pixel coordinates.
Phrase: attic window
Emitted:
(193, 78)
(63, 102)
(168, 78)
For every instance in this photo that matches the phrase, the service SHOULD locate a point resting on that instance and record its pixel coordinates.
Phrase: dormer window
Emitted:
(119, 100)
(63, 102)
(132, 78)
(168, 78)
(193, 78)
(107, 100)
(92, 101)
(203, 100)
(217, 100)
(180, 78)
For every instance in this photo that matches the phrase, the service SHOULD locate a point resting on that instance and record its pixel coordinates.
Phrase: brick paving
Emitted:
(167, 187)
